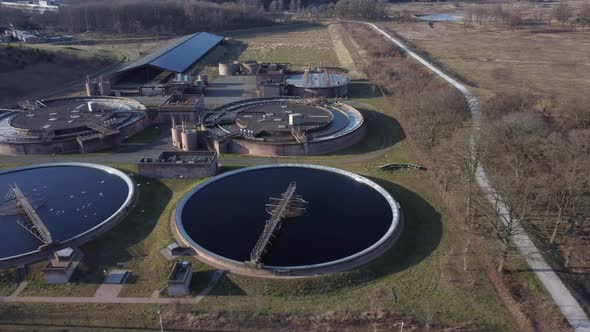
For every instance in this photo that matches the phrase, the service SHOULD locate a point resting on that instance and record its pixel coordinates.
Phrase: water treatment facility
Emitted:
(273, 166)
(50, 207)
(284, 126)
(69, 125)
(283, 222)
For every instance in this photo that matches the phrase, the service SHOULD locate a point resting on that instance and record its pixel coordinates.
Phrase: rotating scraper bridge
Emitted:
(288, 206)
(29, 219)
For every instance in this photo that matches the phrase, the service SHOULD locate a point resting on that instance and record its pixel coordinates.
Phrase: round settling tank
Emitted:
(347, 220)
(70, 125)
(288, 126)
(75, 202)
(317, 84)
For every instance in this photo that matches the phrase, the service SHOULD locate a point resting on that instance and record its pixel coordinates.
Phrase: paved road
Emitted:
(568, 305)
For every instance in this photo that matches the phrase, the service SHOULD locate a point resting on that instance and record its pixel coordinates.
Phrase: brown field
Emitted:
(548, 60)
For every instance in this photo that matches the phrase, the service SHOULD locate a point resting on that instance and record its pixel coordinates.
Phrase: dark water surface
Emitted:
(344, 216)
(69, 199)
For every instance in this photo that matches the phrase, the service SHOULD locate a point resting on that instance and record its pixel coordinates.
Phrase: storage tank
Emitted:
(250, 67)
(175, 136)
(229, 68)
(189, 140)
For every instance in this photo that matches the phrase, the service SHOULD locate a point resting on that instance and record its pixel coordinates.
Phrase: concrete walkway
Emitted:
(110, 295)
(568, 305)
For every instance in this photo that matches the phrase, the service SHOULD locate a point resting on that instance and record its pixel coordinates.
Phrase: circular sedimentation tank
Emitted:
(76, 202)
(313, 84)
(287, 126)
(70, 125)
(347, 221)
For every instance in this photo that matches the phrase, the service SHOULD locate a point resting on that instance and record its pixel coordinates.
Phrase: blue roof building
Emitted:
(176, 57)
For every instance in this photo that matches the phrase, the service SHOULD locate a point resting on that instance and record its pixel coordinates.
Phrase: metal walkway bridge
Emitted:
(30, 220)
(288, 206)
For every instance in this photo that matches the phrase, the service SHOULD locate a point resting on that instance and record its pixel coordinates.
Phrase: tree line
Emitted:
(142, 17)
(535, 151)
(499, 14)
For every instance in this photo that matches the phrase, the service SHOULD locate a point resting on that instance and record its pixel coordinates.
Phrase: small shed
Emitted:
(180, 279)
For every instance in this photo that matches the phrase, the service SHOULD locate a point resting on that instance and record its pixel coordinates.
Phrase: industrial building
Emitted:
(61, 266)
(282, 126)
(183, 108)
(180, 165)
(180, 279)
(270, 79)
(155, 70)
(184, 137)
(70, 125)
(231, 68)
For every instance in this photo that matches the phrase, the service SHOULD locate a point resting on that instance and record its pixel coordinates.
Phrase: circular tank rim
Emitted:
(110, 170)
(355, 117)
(296, 80)
(394, 226)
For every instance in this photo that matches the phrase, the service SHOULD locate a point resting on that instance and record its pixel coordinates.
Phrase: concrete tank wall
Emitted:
(229, 69)
(332, 92)
(250, 67)
(243, 146)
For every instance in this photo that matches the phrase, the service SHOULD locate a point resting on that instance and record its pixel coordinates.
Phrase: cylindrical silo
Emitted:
(189, 140)
(229, 68)
(175, 130)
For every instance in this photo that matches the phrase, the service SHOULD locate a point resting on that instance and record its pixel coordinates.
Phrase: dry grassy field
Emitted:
(548, 60)
(298, 45)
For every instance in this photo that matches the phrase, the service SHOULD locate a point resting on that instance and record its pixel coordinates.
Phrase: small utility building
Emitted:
(174, 58)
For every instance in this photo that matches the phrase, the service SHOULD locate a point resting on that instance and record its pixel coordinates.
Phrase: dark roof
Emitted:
(179, 55)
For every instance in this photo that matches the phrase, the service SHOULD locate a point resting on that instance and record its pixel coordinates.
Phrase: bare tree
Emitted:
(513, 142)
(563, 12)
(566, 176)
(462, 156)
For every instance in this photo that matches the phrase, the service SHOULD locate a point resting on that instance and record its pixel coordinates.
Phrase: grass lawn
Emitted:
(7, 282)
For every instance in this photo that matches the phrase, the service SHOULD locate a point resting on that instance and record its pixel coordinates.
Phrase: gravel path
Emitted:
(568, 305)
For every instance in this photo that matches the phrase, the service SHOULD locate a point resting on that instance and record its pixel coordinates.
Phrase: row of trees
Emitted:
(538, 157)
(143, 16)
(536, 152)
(498, 14)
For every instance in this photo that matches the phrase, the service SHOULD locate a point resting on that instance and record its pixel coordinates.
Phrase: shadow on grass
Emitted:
(114, 246)
(382, 131)
(224, 287)
(229, 168)
(421, 235)
(363, 89)
(146, 136)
